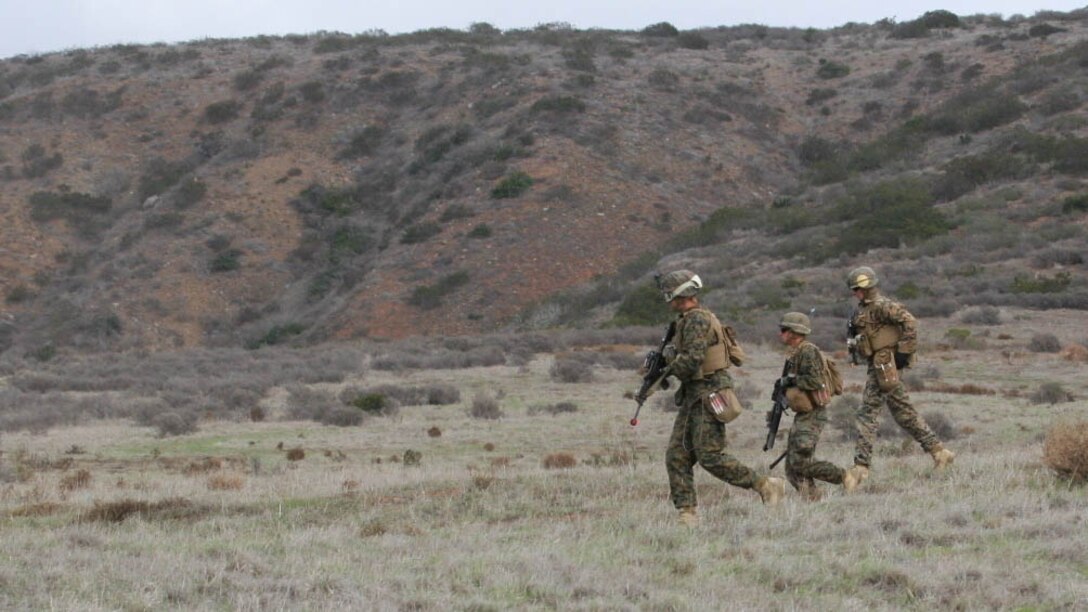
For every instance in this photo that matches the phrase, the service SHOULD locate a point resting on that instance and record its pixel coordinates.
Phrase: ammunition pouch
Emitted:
(887, 374)
(723, 404)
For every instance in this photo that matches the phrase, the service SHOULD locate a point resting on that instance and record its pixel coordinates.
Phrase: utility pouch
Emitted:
(723, 404)
(865, 346)
(799, 401)
(887, 375)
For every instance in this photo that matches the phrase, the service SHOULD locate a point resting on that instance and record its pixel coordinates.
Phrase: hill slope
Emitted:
(303, 188)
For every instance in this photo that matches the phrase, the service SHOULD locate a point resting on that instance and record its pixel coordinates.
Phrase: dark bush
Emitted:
(227, 261)
(1042, 30)
(362, 143)
(420, 232)
(485, 407)
(430, 296)
(1075, 204)
(940, 19)
(820, 94)
(554, 409)
(558, 104)
(1040, 283)
(692, 40)
(1044, 343)
(160, 175)
(37, 164)
(174, 424)
(222, 112)
(480, 231)
(663, 79)
(832, 70)
(1050, 393)
(512, 185)
(663, 29)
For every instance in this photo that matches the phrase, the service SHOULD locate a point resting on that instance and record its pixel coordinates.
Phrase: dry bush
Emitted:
(174, 423)
(1065, 450)
(434, 432)
(117, 511)
(225, 482)
(488, 446)
(559, 461)
(81, 479)
(983, 315)
(500, 462)
(571, 371)
(485, 407)
(1075, 352)
(202, 466)
(482, 481)
(1050, 393)
(412, 457)
(964, 389)
(554, 409)
(942, 425)
(296, 454)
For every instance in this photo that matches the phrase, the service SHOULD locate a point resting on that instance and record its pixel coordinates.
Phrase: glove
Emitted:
(907, 347)
(669, 353)
(787, 381)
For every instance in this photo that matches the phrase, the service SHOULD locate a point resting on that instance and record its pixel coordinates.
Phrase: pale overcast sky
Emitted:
(42, 26)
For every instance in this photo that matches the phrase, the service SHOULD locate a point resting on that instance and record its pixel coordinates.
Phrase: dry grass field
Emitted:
(433, 509)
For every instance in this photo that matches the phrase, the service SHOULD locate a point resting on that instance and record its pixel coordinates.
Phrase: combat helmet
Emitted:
(679, 283)
(796, 322)
(862, 278)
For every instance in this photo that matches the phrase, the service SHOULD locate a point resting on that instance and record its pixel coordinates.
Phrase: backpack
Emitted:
(733, 349)
(832, 376)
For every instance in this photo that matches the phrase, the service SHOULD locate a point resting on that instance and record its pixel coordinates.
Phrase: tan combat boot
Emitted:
(688, 517)
(771, 490)
(942, 458)
(854, 477)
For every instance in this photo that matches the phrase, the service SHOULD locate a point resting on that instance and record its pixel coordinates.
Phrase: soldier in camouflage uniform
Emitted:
(887, 336)
(698, 358)
(808, 396)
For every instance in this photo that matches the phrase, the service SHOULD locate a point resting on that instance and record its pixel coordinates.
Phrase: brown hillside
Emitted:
(332, 186)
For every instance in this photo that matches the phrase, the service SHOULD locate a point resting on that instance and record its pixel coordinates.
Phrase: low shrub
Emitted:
(1044, 343)
(559, 461)
(983, 315)
(1065, 450)
(485, 407)
(430, 296)
(832, 70)
(512, 185)
(571, 371)
(222, 112)
(174, 423)
(1050, 393)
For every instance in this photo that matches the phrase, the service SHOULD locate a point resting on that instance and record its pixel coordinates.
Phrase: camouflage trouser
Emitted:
(697, 437)
(904, 414)
(801, 466)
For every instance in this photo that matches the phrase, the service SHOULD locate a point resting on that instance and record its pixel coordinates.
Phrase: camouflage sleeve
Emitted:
(694, 331)
(896, 313)
(809, 368)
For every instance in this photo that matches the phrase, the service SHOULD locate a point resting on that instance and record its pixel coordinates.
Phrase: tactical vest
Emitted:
(875, 335)
(717, 353)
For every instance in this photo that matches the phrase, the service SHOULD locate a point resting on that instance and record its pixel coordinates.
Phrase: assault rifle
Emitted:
(852, 337)
(774, 417)
(655, 371)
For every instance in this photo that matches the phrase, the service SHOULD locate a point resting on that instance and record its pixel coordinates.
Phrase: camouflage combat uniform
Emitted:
(875, 310)
(806, 365)
(697, 436)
